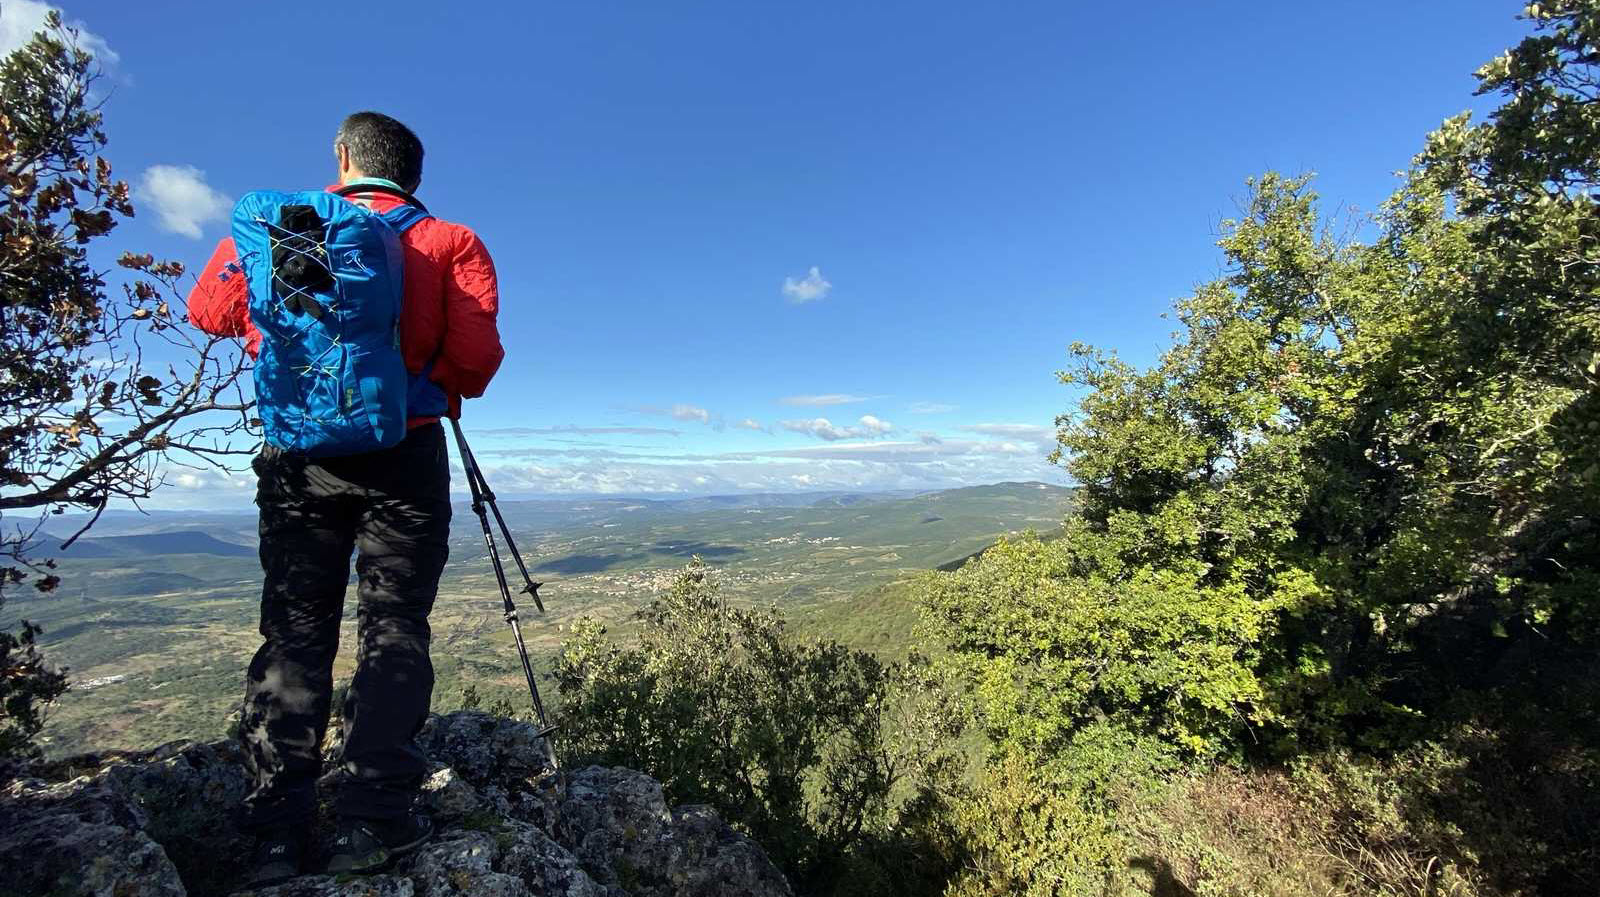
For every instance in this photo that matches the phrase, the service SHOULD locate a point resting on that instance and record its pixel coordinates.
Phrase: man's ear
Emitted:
(342, 153)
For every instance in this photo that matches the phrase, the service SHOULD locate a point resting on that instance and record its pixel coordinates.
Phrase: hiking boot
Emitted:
(365, 845)
(276, 859)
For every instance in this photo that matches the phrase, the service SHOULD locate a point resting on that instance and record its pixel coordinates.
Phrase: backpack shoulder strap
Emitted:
(403, 196)
(401, 218)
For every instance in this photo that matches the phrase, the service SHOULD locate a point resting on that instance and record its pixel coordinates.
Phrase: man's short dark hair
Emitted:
(383, 148)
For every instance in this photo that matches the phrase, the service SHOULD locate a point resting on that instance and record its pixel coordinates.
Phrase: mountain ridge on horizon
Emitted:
(71, 522)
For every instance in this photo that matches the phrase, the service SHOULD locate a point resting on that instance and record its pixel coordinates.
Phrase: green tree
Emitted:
(814, 749)
(1525, 183)
(1353, 504)
(1160, 611)
(1363, 475)
(97, 390)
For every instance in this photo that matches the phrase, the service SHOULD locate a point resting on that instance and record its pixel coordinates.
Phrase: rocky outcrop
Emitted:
(162, 823)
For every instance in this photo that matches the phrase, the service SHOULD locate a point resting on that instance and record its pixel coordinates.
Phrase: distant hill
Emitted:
(237, 525)
(566, 510)
(148, 545)
(781, 500)
(882, 618)
(1002, 490)
(543, 512)
(952, 566)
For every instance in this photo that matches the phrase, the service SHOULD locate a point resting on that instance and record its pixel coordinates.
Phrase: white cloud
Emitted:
(930, 408)
(820, 427)
(866, 428)
(681, 411)
(197, 485)
(1021, 432)
(691, 413)
(182, 199)
(807, 289)
(21, 19)
(750, 423)
(832, 398)
(875, 426)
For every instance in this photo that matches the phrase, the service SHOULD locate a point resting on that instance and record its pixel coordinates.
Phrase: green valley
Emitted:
(155, 617)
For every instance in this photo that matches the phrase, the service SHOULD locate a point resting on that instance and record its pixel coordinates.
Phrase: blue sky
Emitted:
(951, 193)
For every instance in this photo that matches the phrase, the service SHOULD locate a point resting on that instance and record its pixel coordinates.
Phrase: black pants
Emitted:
(393, 507)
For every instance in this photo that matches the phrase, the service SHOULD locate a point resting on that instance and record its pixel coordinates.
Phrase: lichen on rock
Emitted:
(163, 824)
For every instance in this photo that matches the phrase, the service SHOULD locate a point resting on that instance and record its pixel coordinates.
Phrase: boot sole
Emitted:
(269, 880)
(379, 860)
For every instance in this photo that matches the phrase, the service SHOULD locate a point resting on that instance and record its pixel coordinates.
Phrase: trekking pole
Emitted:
(470, 464)
(482, 501)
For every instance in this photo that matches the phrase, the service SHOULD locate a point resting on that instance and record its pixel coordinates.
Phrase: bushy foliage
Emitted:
(1052, 656)
(499, 705)
(815, 749)
(1022, 834)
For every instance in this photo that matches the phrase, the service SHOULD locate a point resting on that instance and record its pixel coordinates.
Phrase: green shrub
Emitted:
(814, 749)
(1022, 834)
(1048, 651)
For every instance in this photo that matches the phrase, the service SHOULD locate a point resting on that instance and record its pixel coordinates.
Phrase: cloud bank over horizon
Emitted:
(868, 456)
(841, 465)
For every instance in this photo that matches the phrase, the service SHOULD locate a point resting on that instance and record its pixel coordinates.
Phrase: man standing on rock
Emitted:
(370, 320)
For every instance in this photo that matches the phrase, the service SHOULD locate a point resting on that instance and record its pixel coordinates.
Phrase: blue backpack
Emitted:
(325, 292)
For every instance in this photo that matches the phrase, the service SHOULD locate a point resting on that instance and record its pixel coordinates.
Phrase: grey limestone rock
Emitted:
(162, 824)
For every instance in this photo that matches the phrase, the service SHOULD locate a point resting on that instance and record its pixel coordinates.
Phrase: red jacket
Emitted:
(450, 304)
